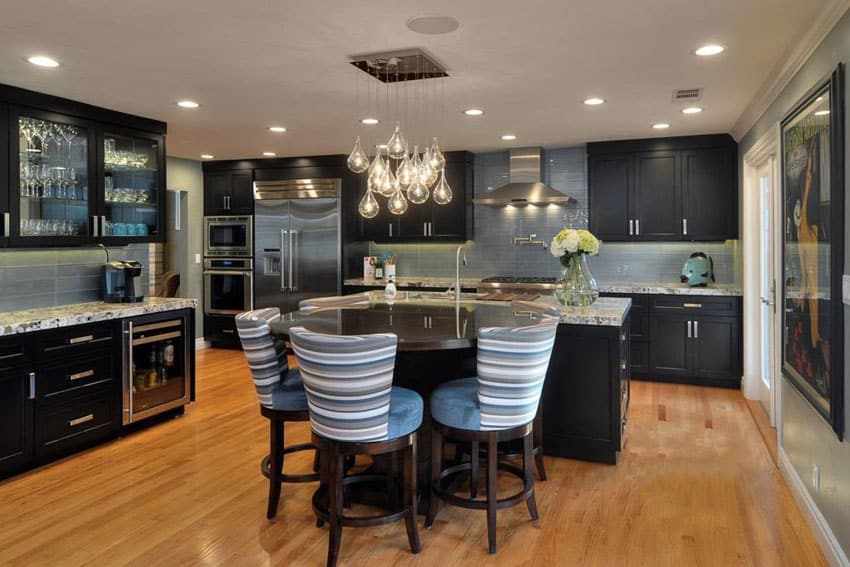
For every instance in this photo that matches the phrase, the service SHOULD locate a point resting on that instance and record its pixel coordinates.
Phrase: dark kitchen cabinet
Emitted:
(16, 403)
(229, 193)
(5, 194)
(664, 189)
(672, 341)
(716, 348)
(638, 331)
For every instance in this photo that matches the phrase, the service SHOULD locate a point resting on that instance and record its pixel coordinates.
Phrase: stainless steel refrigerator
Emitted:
(297, 244)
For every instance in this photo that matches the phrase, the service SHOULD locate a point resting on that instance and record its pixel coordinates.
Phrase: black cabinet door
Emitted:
(5, 194)
(453, 222)
(610, 189)
(242, 193)
(716, 348)
(216, 192)
(710, 195)
(229, 193)
(670, 353)
(15, 419)
(657, 196)
(384, 227)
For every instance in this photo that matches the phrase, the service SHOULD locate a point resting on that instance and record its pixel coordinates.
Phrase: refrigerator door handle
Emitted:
(293, 281)
(283, 286)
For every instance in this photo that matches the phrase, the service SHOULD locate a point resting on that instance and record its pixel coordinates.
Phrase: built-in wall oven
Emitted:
(228, 236)
(157, 364)
(228, 285)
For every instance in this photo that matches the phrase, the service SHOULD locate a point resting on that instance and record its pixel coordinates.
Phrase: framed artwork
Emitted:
(813, 248)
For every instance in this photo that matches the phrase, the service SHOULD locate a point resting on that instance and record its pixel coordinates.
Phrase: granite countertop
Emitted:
(416, 281)
(655, 288)
(14, 322)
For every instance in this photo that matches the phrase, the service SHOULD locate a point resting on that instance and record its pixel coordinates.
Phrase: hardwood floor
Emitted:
(695, 486)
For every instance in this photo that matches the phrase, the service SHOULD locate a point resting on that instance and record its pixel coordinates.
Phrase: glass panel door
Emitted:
(54, 187)
(131, 170)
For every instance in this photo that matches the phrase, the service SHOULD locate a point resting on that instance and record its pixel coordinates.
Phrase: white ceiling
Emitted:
(528, 63)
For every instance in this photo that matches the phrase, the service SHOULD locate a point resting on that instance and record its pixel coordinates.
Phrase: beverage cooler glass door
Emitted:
(131, 186)
(156, 367)
(51, 184)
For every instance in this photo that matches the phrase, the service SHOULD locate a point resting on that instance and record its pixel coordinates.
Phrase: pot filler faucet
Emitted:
(458, 255)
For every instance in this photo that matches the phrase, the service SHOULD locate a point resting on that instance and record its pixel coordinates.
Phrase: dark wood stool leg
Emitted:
(527, 451)
(436, 469)
(475, 461)
(275, 465)
(492, 489)
(410, 498)
(538, 444)
(334, 504)
(316, 461)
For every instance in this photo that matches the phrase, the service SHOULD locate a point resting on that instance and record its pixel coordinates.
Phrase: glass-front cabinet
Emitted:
(133, 179)
(51, 189)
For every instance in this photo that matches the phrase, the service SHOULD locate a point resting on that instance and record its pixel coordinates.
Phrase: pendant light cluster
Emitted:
(394, 172)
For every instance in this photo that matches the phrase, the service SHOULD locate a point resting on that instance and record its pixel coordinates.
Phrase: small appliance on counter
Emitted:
(122, 282)
(698, 270)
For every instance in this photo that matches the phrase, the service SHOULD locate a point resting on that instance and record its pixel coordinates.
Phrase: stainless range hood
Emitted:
(525, 187)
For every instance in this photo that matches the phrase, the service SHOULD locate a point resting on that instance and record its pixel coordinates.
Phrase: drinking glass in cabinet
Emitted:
(131, 185)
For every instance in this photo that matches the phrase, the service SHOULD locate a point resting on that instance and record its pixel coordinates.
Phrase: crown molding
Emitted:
(783, 72)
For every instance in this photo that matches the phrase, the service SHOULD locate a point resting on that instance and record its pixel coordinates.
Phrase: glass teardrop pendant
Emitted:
(358, 161)
(406, 173)
(387, 184)
(417, 192)
(397, 146)
(438, 160)
(368, 207)
(442, 192)
(427, 174)
(376, 171)
(397, 204)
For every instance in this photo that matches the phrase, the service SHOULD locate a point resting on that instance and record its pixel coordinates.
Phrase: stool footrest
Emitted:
(265, 465)
(447, 475)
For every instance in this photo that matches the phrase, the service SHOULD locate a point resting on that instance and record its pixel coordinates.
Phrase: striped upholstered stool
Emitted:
(355, 410)
(281, 394)
(496, 406)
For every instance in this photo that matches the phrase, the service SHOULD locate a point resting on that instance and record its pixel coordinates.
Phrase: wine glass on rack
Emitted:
(69, 133)
(27, 128)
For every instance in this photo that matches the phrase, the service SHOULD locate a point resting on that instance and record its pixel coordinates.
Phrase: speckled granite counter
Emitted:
(726, 290)
(14, 322)
(416, 281)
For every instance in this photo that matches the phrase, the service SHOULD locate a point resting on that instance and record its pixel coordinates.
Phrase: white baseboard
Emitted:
(826, 538)
(201, 344)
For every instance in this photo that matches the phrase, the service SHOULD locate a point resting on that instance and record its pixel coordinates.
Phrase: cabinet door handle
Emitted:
(81, 375)
(623, 367)
(391, 229)
(637, 227)
(81, 420)
(424, 229)
(95, 231)
(7, 221)
(692, 305)
(696, 329)
(685, 226)
(690, 330)
(32, 386)
(631, 227)
(102, 226)
(82, 339)
(430, 229)
(227, 331)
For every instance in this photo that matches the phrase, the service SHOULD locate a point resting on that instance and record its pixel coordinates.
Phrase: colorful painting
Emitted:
(813, 235)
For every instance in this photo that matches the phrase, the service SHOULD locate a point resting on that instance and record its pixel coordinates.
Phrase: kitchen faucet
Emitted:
(457, 271)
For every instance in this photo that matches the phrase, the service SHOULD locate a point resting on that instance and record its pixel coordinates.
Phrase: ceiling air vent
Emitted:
(687, 95)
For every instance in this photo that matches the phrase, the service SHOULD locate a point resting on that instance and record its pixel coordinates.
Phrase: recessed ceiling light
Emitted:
(187, 104)
(661, 126)
(508, 137)
(473, 112)
(369, 121)
(269, 154)
(433, 25)
(277, 129)
(821, 113)
(594, 101)
(692, 110)
(710, 49)
(207, 156)
(43, 61)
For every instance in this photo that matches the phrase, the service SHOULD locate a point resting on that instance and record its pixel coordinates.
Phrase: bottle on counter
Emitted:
(390, 289)
(379, 268)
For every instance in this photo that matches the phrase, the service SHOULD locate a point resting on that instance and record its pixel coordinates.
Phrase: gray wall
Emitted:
(807, 439)
(187, 175)
(493, 253)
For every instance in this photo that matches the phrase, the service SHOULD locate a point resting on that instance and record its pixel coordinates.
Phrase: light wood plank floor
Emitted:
(695, 486)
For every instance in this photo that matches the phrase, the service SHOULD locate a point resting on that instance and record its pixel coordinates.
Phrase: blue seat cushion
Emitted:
(290, 395)
(455, 404)
(405, 412)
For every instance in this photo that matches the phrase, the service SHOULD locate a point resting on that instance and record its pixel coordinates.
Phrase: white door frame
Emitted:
(766, 146)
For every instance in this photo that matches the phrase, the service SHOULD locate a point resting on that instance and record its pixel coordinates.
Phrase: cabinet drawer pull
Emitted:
(623, 365)
(227, 331)
(82, 339)
(81, 375)
(692, 305)
(81, 420)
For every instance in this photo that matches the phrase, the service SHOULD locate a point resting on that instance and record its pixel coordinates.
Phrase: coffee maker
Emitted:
(123, 282)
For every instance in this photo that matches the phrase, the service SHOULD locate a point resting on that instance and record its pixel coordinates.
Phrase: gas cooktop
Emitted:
(514, 282)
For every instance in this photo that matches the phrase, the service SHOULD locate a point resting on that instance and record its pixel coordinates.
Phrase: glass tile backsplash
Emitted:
(493, 252)
(50, 277)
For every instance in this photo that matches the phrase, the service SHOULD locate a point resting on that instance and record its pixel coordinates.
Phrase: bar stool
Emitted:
(355, 410)
(281, 395)
(334, 301)
(496, 406)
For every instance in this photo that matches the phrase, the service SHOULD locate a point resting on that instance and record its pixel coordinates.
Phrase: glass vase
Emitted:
(577, 286)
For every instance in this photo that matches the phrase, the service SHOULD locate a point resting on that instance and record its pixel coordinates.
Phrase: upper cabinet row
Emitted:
(664, 189)
(72, 174)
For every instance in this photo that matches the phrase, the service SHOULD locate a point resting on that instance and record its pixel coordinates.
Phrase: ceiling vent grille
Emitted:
(687, 95)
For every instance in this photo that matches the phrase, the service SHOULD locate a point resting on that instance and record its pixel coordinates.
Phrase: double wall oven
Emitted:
(228, 265)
